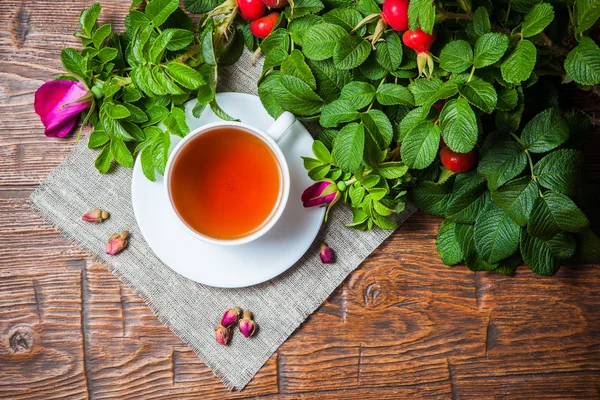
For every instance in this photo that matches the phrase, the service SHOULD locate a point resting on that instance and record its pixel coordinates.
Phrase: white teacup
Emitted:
(271, 137)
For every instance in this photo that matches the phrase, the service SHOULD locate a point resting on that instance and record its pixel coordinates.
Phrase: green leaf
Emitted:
(266, 94)
(583, 62)
(278, 39)
(73, 62)
(180, 38)
(121, 153)
(481, 21)
(517, 198)
(114, 129)
(321, 152)
(101, 34)
(359, 94)
(560, 171)
(133, 130)
(349, 146)
(588, 246)
(424, 90)
(392, 169)
(507, 99)
(392, 94)
(489, 49)
(304, 7)
(350, 51)
(295, 95)
(388, 52)
(160, 151)
(337, 112)
(524, 6)
(421, 14)
(295, 65)
(379, 127)
(456, 56)
(148, 163)
(160, 45)
(320, 40)
(459, 125)
(347, 18)
(410, 121)
(159, 10)
(553, 213)
(481, 94)
(274, 59)
(130, 94)
(136, 114)
(104, 159)
(88, 18)
(518, 66)
(538, 255)
(176, 123)
(384, 223)
(545, 131)
(107, 54)
(502, 163)
(562, 245)
(448, 245)
(468, 200)
(115, 111)
(156, 114)
(184, 75)
(320, 172)
(496, 236)
(97, 138)
(419, 147)
(588, 12)
(330, 80)
(298, 27)
(432, 198)
(219, 112)
(200, 6)
(536, 20)
(167, 85)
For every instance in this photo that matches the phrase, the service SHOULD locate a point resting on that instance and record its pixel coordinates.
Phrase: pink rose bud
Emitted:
(96, 216)
(231, 317)
(223, 335)
(327, 255)
(58, 103)
(116, 243)
(320, 193)
(247, 326)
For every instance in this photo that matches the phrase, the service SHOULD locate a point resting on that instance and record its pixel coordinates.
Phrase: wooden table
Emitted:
(402, 326)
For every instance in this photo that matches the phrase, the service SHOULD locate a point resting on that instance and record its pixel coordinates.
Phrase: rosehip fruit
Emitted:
(251, 9)
(418, 40)
(458, 162)
(262, 27)
(395, 14)
(275, 3)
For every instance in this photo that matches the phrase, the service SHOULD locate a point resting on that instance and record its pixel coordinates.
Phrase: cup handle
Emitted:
(281, 126)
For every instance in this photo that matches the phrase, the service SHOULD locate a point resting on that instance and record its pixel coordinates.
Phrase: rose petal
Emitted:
(311, 196)
(63, 129)
(50, 104)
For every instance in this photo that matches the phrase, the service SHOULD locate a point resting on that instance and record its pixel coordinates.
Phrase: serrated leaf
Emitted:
(147, 161)
(200, 6)
(517, 198)
(88, 18)
(101, 34)
(114, 129)
(432, 198)
(554, 213)
(219, 112)
(337, 112)
(537, 19)
(496, 236)
(72, 61)
(545, 131)
(97, 138)
(121, 153)
(320, 40)
(419, 147)
(562, 245)
(518, 66)
(468, 200)
(321, 152)
(421, 14)
(448, 245)
(502, 163)
(456, 56)
(459, 125)
(390, 94)
(295, 65)
(104, 159)
(392, 169)
(350, 51)
(330, 80)
(588, 12)
(489, 49)
(159, 10)
(295, 95)
(304, 7)
(538, 256)
(115, 111)
(379, 128)
(481, 94)
(410, 121)
(583, 62)
(160, 151)
(507, 99)
(481, 21)
(266, 94)
(320, 172)
(388, 52)
(184, 75)
(299, 26)
(560, 171)
(347, 18)
(423, 90)
(359, 94)
(349, 146)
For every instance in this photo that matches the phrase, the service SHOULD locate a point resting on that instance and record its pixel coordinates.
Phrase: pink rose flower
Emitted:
(58, 103)
(320, 193)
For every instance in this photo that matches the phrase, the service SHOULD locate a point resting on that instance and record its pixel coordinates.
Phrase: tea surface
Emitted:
(226, 183)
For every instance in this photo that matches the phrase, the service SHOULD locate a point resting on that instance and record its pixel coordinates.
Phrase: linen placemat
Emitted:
(189, 309)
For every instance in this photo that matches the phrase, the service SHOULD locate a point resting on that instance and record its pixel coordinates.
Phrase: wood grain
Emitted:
(401, 326)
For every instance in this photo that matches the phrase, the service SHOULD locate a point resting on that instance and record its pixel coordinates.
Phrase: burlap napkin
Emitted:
(189, 309)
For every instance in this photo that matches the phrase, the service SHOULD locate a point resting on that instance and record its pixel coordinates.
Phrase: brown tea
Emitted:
(226, 183)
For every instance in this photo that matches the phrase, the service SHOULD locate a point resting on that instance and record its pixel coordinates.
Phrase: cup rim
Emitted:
(284, 191)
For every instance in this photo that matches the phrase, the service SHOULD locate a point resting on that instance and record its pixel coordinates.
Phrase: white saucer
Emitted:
(237, 266)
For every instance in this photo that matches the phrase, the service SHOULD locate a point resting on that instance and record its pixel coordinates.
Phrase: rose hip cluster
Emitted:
(232, 316)
(253, 10)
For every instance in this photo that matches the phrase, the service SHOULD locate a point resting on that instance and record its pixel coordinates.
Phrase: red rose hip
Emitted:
(275, 3)
(395, 13)
(251, 9)
(262, 27)
(418, 40)
(458, 162)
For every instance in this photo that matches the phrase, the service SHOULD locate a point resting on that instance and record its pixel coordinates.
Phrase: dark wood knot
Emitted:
(21, 339)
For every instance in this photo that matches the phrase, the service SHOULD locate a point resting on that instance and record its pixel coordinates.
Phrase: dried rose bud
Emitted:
(96, 216)
(231, 316)
(247, 325)
(117, 242)
(223, 335)
(326, 254)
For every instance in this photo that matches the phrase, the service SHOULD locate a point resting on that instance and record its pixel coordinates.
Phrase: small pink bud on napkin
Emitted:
(116, 243)
(326, 253)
